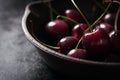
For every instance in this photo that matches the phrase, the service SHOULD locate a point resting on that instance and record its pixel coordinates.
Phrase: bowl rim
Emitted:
(50, 51)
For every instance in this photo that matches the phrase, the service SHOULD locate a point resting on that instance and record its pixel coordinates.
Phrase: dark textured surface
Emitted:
(19, 60)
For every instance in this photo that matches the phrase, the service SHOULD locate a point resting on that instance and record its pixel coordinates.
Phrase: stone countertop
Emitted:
(19, 60)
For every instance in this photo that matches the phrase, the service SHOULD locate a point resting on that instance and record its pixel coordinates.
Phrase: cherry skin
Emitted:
(73, 14)
(57, 28)
(97, 43)
(105, 26)
(66, 44)
(77, 53)
(78, 30)
(109, 18)
(115, 39)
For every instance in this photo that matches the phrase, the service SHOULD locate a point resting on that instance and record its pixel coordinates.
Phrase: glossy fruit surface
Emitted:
(105, 26)
(78, 30)
(109, 18)
(66, 44)
(96, 42)
(74, 15)
(57, 28)
(115, 39)
(77, 53)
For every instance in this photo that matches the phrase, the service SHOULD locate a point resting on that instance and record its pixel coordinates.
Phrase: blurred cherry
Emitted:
(105, 26)
(115, 39)
(109, 18)
(77, 53)
(66, 44)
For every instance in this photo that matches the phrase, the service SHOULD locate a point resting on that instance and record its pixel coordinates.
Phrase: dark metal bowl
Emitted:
(34, 19)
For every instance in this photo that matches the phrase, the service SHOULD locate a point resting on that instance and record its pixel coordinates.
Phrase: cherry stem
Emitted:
(50, 9)
(116, 19)
(80, 12)
(96, 21)
(114, 1)
(79, 42)
(72, 20)
(117, 2)
(52, 47)
(32, 32)
(53, 10)
(64, 17)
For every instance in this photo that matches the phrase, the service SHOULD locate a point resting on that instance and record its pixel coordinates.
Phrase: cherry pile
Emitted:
(76, 38)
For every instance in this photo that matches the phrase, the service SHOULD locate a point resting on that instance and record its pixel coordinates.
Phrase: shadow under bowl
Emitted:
(35, 17)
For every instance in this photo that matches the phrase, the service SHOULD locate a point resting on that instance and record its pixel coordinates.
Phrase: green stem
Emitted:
(64, 17)
(96, 21)
(116, 18)
(117, 2)
(80, 12)
(49, 46)
(114, 1)
(78, 42)
(50, 9)
(93, 13)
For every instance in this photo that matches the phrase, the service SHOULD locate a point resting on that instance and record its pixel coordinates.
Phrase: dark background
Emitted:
(19, 60)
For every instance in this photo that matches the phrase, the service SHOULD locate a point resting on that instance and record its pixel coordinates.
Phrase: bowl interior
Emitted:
(37, 15)
(40, 15)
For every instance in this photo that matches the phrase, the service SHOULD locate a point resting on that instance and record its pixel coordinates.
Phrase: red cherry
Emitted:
(115, 39)
(109, 18)
(74, 15)
(57, 28)
(78, 30)
(105, 26)
(66, 44)
(97, 43)
(77, 53)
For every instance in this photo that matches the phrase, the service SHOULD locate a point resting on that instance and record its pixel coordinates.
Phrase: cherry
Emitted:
(115, 39)
(57, 28)
(78, 30)
(105, 26)
(114, 7)
(97, 43)
(74, 15)
(77, 53)
(109, 18)
(66, 44)
(82, 43)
